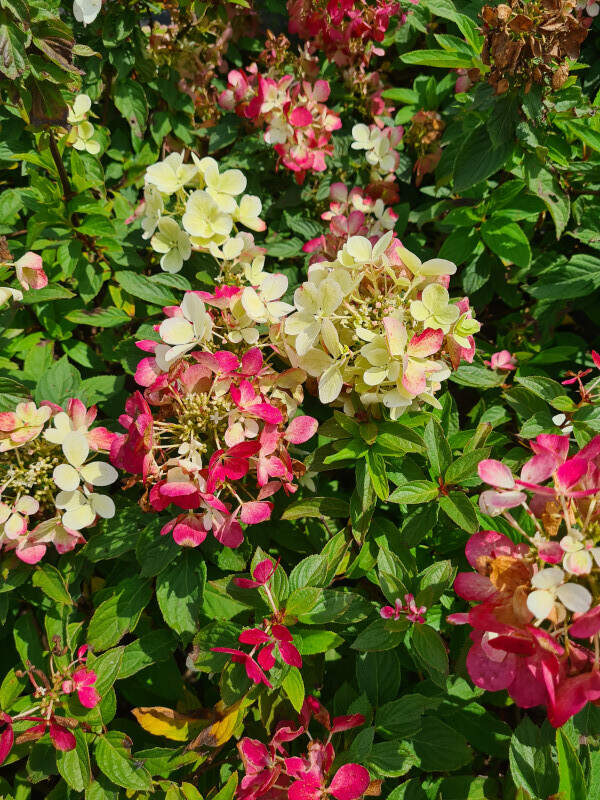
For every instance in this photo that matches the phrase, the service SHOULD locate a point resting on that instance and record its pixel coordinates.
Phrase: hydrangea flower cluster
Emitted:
(48, 450)
(298, 123)
(351, 213)
(348, 32)
(272, 773)
(272, 637)
(29, 271)
(210, 210)
(379, 322)
(379, 144)
(81, 135)
(211, 431)
(536, 624)
(50, 696)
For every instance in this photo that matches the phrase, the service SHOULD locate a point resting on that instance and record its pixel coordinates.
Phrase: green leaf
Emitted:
(460, 510)
(145, 651)
(430, 648)
(507, 240)
(119, 614)
(543, 387)
(362, 502)
(146, 288)
(130, 99)
(293, 686)
(99, 317)
(531, 764)
(478, 159)
(379, 481)
(50, 581)
(113, 756)
(310, 642)
(414, 492)
(438, 58)
(378, 675)
(571, 779)
(438, 449)
(391, 759)
(179, 592)
(546, 186)
(61, 382)
(48, 293)
(74, 765)
(330, 507)
(382, 634)
(439, 747)
(465, 466)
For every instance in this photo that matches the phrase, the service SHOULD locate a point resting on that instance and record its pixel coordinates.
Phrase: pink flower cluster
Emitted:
(273, 774)
(351, 213)
(298, 123)
(263, 641)
(32, 516)
(502, 360)
(348, 32)
(536, 601)
(49, 694)
(211, 432)
(409, 609)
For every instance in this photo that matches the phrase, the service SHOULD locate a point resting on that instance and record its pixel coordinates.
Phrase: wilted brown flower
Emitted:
(530, 42)
(424, 133)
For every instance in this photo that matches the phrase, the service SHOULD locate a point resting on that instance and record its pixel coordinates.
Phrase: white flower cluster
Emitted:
(380, 322)
(205, 208)
(379, 146)
(81, 135)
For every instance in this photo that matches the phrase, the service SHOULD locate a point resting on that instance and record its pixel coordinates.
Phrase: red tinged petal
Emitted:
(88, 697)
(255, 673)
(290, 655)
(539, 468)
(263, 571)
(349, 782)
(253, 636)
(495, 473)
(265, 658)
(347, 722)
(300, 117)
(246, 583)
(230, 533)
(571, 472)
(61, 737)
(254, 753)
(596, 358)
(7, 737)
(255, 512)
(586, 625)
(281, 633)
(491, 675)
(301, 429)
(308, 788)
(474, 587)
(425, 344)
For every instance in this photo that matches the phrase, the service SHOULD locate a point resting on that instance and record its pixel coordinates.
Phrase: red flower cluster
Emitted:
(411, 611)
(529, 617)
(297, 121)
(272, 773)
(48, 696)
(346, 31)
(263, 640)
(210, 435)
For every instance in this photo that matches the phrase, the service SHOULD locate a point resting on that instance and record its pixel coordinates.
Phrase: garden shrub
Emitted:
(299, 400)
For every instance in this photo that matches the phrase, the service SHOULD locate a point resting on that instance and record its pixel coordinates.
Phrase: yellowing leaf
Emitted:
(220, 731)
(161, 721)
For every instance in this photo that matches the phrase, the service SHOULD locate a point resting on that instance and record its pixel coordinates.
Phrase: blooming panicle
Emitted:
(378, 321)
(294, 114)
(47, 488)
(536, 601)
(195, 206)
(211, 425)
(272, 773)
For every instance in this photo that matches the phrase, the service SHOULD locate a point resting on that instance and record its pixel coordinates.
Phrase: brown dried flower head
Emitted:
(530, 42)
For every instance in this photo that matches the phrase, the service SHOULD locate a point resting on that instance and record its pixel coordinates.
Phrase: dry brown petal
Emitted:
(504, 12)
(502, 86)
(559, 77)
(489, 15)
(520, 24)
